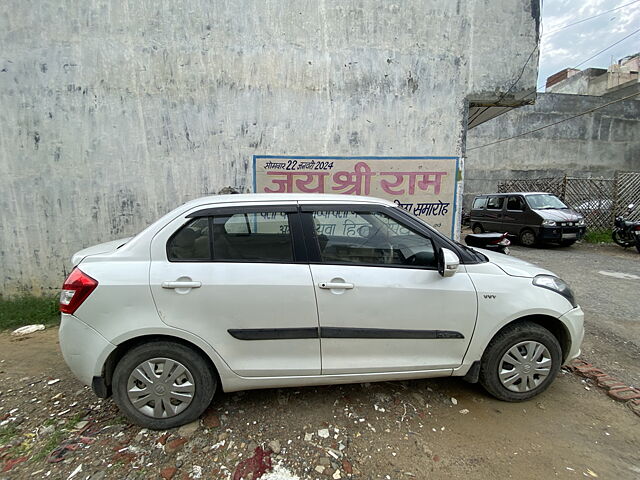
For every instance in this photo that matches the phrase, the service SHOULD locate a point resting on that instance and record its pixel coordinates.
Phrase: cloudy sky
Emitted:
(567, 47)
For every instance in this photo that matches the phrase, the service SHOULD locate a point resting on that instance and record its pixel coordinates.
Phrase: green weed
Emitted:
(27, 310)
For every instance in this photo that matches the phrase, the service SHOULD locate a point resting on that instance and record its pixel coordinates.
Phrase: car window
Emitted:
(542, 201)
(370, 238)
(515, 203)
(495, 203)
(252, 237)
(191, 242)
(479, 203)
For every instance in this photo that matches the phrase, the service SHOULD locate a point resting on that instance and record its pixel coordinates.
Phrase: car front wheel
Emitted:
(161, 385)
(520, 362)
(528, 238)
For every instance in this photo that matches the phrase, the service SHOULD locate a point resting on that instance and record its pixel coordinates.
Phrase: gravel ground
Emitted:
(53, 427)
(611, 301)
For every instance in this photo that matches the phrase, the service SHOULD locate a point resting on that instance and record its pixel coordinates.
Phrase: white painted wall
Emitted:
(113, 113)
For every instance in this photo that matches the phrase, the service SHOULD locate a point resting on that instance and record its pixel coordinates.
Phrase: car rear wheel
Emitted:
(477, 228)
(528, 238)
(520, 362)
(161, 385)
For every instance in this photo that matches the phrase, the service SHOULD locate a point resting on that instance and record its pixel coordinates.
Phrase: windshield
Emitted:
(544, 201)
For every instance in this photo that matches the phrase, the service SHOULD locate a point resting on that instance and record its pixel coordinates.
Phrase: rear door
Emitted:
(238, 278)
(513, 220)
(493, 213)
(382, 304)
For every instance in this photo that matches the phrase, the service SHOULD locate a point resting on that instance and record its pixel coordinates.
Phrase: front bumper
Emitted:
(556, 234)
(574, 321)
(84, 349)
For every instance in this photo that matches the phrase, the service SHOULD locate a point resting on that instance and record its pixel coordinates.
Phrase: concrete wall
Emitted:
(593, 145)
(115, 112)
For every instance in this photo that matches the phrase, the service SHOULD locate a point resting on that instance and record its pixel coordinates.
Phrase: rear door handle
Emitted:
(336, 285)
(181, 284)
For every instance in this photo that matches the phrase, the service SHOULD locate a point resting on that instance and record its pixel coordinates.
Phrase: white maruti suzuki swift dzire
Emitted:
(259, 291)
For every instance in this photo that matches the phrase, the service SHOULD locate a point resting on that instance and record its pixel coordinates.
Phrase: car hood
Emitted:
(559, 215)
(514, 266)
(97, 249)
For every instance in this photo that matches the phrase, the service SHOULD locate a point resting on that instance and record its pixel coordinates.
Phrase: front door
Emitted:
(232, 276)
(382, 304)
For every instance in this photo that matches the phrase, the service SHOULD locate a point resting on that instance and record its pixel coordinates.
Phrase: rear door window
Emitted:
(479, 203)
(495, 203)
(191, 243)
(252, 237)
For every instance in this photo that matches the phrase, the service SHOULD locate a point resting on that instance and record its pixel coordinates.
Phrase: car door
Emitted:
(513, 219)
(493, 213)
(237, 277)
(382, 305)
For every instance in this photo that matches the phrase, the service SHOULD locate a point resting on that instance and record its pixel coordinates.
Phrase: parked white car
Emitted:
(240, 292)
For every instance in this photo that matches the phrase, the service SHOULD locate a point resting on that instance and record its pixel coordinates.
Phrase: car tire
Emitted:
(184, 392)
(477, 228)
(536, 346)
(528, 238)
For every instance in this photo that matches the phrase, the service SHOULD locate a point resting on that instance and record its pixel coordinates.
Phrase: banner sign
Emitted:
(424, 186)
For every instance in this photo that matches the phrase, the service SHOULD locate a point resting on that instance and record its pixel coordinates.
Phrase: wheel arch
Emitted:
(122, 348)
(552, 324)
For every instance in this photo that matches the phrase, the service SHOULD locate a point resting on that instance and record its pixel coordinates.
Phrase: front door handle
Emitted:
(181, 284)
(335, 285)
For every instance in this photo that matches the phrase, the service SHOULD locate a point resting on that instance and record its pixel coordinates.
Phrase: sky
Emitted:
(568, 47)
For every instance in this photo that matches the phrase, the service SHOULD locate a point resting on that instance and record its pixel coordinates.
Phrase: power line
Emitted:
(605, 49)
(589, 18)
(555, 123)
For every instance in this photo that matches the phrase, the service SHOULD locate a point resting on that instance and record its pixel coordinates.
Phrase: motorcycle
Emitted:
(626, 233)
(497, 242)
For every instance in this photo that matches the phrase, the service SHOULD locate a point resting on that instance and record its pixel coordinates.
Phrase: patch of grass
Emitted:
(7, 433)
(600, 236)
(27, 310)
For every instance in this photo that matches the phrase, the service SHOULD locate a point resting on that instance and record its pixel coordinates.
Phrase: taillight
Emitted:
(636, 228)
(77, 287)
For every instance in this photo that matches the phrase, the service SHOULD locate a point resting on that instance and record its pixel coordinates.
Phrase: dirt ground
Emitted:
(53, 427)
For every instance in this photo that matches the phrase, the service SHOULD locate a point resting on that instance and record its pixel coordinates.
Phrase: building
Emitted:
(620, 78)
(595, 145)
(114, 113)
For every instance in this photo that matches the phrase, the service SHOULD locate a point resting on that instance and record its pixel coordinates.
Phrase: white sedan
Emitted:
(239, 292)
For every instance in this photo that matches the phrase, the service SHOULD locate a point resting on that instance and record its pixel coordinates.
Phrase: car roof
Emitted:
(514, 193)
(286, 197)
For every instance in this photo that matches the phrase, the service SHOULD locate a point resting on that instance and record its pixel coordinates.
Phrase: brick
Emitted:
(210, 419)
(175, 444)
(168, 472)
(608, 383)
(624, 394)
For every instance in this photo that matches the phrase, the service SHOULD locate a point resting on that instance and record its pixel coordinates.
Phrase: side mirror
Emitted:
(448, 262)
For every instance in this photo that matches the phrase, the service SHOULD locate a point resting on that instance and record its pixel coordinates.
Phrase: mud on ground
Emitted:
(435, 429)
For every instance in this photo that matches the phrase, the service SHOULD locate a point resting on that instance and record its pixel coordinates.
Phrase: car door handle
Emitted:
(336, 285)
(181, 284)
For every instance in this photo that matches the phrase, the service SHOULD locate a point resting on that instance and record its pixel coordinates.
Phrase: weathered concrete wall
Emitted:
(593, 145)
(116, 112)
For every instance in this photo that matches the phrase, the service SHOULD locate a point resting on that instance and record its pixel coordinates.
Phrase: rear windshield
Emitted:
(544, 201)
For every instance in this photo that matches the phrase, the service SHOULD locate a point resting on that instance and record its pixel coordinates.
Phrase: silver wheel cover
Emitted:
(160, 387)
(524, 366)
